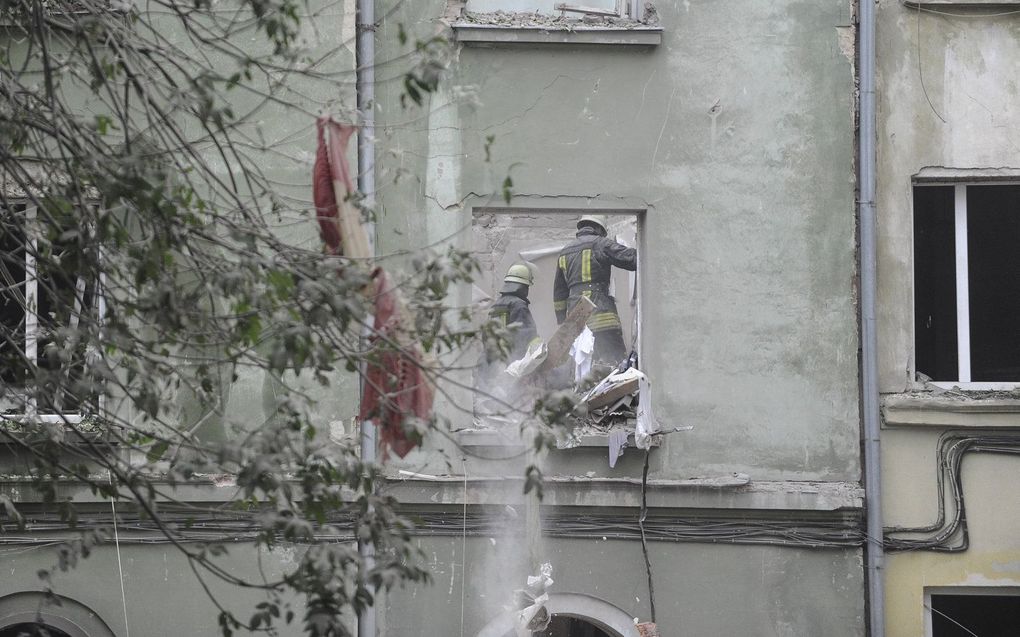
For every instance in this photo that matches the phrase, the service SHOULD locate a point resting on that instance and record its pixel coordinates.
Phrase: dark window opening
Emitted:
(31, 629)
(968, 615)
(935, 283)
(562, 626)
(12, 297)
(46, 294)
(976, 299)
(993, 237)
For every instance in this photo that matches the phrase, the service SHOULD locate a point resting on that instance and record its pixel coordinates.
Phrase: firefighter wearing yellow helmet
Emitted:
(583, 269)
(512, 309)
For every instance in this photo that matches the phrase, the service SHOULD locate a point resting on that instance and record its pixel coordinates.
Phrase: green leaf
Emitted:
(157, 451)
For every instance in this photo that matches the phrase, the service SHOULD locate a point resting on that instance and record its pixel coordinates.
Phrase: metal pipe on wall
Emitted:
(364, 62)
(875, 550)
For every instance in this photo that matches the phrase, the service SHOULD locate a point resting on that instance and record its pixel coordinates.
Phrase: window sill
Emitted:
(469, 33)
(15, 429)
(507, 441)
(927, 410)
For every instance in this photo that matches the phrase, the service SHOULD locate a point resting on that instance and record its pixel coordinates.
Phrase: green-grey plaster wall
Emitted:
(699, 590)
(736, 135)
(162, 595)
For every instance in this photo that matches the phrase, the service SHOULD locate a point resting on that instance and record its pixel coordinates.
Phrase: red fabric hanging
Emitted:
(395, 385)
(331, 166)
(395, 388)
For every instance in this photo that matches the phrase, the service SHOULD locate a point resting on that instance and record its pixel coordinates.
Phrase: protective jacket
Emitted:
(583, 269)
(512, 308)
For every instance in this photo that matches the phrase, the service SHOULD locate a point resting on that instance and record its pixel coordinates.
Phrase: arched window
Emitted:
(574, 615)
(28, 613)
(31, 629)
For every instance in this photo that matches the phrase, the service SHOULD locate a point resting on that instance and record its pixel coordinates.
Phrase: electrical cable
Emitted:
(953, 446)
(120, 565)
(644, 541)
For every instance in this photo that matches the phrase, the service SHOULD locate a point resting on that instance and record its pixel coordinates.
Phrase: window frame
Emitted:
(977, 591)
(27, 393)
(962, 271)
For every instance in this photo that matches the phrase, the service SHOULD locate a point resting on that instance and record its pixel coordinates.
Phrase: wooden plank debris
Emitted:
(561, 340)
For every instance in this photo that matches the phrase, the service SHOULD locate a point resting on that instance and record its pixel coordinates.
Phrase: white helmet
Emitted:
(599, 221)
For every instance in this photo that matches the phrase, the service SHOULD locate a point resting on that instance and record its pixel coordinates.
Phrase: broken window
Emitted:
(967, 282)
(44, 293)
(579, 9)
(564, 287)
(964, 614)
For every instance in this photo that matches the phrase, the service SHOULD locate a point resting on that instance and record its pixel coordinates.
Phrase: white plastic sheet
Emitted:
(531, 360)
(581, 353)
(647, 425)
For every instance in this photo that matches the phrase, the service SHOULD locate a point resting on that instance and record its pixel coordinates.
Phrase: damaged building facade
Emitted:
(723, 133)
(719, 140)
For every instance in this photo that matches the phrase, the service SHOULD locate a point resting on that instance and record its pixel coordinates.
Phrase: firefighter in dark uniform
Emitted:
(512, 309)
(583, 269)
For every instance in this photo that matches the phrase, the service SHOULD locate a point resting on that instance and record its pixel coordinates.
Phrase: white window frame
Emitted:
(963, 380)
(32, 320)
(999, 591)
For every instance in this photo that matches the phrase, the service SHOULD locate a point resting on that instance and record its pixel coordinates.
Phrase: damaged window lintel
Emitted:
(573, 25)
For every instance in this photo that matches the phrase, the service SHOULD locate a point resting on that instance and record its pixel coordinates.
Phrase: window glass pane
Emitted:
(993, 237)
(63, 291)
(12, 296)
(935, 341)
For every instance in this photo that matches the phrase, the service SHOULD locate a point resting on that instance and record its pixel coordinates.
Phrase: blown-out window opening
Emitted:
(562, 285)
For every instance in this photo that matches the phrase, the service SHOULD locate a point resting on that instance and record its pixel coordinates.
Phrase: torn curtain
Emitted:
(329, 172)
(395, 386)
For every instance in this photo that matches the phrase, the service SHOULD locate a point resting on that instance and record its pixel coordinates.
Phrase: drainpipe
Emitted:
(364, 61)
(875, 550)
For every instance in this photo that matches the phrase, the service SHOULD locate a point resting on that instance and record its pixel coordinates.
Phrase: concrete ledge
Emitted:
(736, 491)
(945, 175)
(906, 410)
(488, 34)
(723, 492)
